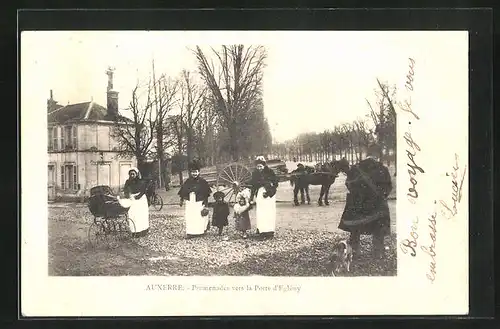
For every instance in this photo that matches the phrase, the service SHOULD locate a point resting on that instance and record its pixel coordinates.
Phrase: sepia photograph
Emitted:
(272, 168)
(174, 159)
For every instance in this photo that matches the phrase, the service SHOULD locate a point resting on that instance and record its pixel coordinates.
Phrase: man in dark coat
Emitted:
(366, 210)
(300, 185)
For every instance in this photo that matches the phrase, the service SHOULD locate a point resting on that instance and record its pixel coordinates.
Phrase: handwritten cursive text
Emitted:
(409, 76)
(413, 147)
(431, 249)
(406, 105)
(412, 241)
(413, 168)
(457, 181)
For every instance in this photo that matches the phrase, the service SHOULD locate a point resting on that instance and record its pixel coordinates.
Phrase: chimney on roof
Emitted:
(112, 95)
(51, 103)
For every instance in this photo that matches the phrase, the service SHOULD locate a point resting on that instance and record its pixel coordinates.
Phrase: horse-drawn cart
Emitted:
(233, 177)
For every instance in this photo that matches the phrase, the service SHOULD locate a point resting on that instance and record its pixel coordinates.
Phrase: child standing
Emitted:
(221, 212)
(241, 215)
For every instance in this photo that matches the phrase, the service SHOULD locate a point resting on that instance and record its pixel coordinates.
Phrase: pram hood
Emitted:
(104, 203)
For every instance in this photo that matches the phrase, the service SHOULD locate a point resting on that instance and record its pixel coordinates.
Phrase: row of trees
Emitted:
(214, 114)
(350, 140)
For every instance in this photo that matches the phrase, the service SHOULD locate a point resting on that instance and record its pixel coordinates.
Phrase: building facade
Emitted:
(81, 150)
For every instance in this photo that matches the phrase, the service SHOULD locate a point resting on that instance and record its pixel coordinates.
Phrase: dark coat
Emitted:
(197, 185)
(220, 214)
(265, 178)
(134, 185)
(366, 210)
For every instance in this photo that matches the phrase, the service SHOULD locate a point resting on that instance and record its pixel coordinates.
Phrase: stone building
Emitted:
(81, 150)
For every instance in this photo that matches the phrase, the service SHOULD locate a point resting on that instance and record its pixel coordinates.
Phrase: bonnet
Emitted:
(244, 194)
(260, 160)
(134, 169)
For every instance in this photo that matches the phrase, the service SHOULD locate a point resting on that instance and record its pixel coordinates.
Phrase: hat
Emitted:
(219, 194)
(373, 150)
(260, 160)
(193, 166)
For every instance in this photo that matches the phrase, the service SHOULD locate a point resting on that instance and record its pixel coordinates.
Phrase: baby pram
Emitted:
(110, 216)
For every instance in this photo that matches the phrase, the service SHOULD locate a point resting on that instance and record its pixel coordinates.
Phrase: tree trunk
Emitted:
(141, 164)
(159, 146)
(181, 179)
(395, 161)
(233, 142)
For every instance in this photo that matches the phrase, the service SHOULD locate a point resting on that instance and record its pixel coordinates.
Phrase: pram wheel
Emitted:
(97, 234)
(123, 231)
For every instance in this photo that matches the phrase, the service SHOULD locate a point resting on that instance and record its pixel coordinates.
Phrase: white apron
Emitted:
(138, 212)
(265, 212)
(196, 224)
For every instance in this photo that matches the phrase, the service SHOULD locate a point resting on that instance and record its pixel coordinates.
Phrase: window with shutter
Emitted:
(74, 132)
(54, 139)
(67, 138)
(63, 181)
(49, 139)
(75, 177)
(61, 138)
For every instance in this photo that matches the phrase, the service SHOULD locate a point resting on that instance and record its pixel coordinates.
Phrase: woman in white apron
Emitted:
(264, 185)
(138, 213)
(194, 195)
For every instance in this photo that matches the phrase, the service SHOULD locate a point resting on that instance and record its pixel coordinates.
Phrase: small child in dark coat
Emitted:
(221, 212)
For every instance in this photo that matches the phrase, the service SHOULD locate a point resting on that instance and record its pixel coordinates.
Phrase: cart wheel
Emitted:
(97, 234)
(123, 232)
(232, 179)
(157, 202)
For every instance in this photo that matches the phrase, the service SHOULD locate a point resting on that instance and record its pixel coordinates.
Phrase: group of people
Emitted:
(195, 191)
(366, 210)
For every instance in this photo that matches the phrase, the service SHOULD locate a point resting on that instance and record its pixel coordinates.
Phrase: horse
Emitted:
(325, 177)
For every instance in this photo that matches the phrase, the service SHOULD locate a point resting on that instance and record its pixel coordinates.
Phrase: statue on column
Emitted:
(109, 73)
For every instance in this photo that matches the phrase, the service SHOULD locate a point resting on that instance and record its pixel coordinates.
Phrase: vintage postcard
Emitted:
(200, 173)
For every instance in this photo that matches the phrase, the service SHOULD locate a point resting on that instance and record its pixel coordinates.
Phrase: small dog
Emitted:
(342, 257)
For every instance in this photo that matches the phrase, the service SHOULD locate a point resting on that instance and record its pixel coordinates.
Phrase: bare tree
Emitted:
(165, 91)
(193, 99)
(135, 135)
(364, 136)
(177, 129)
(235, 83)
(206, 134)
(386, 127)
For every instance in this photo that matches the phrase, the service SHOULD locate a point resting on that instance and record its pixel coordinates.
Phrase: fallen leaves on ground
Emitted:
(166, 251)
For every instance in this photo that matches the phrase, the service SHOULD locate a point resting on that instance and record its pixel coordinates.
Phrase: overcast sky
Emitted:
(313, 80)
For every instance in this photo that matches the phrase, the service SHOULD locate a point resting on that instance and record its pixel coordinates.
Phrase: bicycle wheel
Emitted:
(97, 234)
(157, 202)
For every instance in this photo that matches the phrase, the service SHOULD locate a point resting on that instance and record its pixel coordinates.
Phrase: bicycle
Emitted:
(154, 199)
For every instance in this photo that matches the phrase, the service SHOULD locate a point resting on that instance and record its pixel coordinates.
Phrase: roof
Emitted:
(87, 111)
